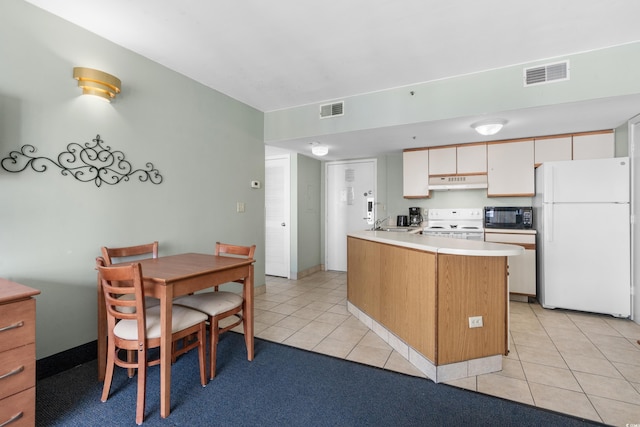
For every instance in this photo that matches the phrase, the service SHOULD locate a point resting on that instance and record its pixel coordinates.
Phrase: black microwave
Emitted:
(510, 217)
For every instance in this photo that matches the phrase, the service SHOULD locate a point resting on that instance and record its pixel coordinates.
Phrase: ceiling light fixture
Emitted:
(98, 83)
(318, 149)
(489, 127)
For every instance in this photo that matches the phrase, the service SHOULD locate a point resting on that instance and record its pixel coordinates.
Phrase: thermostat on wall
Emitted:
(255, 184)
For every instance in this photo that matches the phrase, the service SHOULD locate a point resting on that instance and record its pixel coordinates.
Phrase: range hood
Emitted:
(457, 182)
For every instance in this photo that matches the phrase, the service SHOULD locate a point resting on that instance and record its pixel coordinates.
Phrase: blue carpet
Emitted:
(282, 386)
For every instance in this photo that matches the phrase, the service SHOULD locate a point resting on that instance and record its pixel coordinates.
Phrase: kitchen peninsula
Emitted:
(442, 303)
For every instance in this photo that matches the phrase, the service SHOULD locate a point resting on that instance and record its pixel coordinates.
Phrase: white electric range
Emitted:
(455, 223)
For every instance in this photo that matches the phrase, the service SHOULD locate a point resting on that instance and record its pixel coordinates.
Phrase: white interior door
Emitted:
(277, 204)
(348, 186)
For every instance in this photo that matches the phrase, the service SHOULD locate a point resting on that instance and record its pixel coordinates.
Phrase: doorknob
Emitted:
(283, 224)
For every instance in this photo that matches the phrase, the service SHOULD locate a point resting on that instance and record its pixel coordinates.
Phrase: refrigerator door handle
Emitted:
(548, 185)
(548, 222)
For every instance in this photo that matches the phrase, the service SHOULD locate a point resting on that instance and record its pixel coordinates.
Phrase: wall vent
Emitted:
(332, 110)
(548, 73)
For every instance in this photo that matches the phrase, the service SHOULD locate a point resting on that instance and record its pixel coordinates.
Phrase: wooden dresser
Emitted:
(17, 354)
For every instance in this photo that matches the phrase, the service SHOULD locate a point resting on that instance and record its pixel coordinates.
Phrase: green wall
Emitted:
(207, 146)
(309, 213)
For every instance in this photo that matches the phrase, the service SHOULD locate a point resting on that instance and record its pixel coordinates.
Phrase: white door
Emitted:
(349, 184)
(277, 204)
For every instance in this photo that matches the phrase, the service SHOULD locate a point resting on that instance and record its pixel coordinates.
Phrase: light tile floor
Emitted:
(580, 364)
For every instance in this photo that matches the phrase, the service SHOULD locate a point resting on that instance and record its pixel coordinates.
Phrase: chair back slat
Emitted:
(236, 250)
(129, 253)
(123, 291)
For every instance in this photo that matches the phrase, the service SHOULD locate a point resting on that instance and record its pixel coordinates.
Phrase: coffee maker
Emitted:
(415, 218)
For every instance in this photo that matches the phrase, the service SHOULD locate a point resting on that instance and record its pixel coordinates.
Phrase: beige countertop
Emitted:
(443, 245)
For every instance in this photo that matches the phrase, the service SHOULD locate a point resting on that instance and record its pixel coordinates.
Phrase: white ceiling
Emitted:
(285, 53)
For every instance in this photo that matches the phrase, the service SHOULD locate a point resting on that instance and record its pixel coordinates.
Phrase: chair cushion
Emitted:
(182, 318)
(212, 303)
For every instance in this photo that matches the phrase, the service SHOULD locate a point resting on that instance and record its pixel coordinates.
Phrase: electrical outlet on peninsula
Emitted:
(475, 322)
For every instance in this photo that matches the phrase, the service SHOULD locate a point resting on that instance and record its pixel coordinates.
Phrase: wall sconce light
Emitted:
(318, 149)
(489, 127)
(98, 83)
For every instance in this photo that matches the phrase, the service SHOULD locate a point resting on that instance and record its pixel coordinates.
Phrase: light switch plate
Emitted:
(240, 207)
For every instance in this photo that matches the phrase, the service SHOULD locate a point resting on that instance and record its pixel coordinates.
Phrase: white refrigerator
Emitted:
(581, 214)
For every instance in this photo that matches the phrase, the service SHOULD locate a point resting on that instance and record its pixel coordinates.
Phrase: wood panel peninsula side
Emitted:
(421, 294)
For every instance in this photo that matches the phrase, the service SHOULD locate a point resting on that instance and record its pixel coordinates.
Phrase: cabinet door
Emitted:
(415, 173)
(552, 149)
(442, 161)
(522, 268)
(510, 169)
(472, 159)
(593, 146)
(522, 273)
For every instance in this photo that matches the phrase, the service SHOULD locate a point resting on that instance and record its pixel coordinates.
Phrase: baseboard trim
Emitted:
(65, 360)
(309, 271)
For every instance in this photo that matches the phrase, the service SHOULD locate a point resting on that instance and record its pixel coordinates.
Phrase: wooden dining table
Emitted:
(169, 277)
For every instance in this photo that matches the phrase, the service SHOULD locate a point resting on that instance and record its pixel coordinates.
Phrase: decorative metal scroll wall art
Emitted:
(89, 162)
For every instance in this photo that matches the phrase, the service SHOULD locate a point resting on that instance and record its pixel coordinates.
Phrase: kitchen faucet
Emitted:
(376, 225)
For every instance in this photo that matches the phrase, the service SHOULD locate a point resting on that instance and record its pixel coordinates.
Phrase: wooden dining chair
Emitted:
(132, 326)
(131, 254)
(219, 305)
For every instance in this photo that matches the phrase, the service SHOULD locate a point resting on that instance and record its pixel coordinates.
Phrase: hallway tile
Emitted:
(616, 413)
(611, 388)
(505, 387)
(563, 400)
(370, 355)
(551, 376)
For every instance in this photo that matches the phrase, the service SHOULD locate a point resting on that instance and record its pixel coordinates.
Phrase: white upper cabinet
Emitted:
(509, 165)
(415, 173)
(442, 161)
(593, 146)
(552, 148)
(511, 168)
(472, 158)
(458, 160)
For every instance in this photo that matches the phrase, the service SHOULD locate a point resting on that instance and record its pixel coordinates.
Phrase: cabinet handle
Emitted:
(8, 328)
(11, 373)
(16, 417)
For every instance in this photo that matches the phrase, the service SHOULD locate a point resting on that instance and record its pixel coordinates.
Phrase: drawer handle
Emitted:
(11, 373)
(8, 328)
(16, 417)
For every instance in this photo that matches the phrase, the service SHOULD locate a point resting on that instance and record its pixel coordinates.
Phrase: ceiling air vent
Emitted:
(546, 73)
(332, 110)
